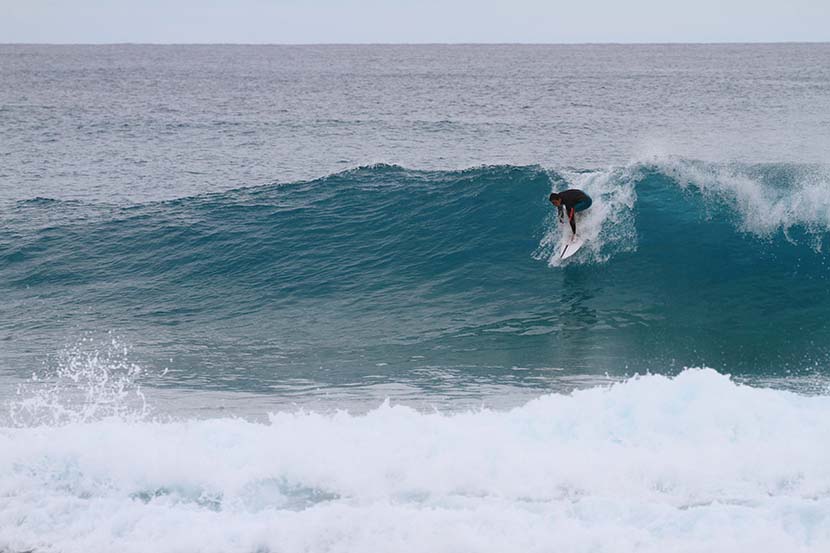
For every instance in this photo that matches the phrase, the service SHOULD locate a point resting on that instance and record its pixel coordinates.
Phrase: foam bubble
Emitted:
(690, 463)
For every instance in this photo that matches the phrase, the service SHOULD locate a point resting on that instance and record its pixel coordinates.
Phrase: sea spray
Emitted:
(90, 380)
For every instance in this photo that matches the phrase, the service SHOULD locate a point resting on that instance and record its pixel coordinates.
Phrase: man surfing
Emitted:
(573, 201)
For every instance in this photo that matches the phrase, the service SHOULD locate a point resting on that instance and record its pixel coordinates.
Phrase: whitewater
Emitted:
(261, 299)
(691, 463)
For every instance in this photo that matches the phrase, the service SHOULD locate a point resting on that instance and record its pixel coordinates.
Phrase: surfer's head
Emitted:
(555, 199)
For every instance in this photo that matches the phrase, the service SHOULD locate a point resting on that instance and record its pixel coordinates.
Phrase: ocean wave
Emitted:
(722, 262)
(380, 215)
(691, 463)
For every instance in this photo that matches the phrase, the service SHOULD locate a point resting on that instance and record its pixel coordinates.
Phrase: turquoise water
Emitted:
(687, 264)
(291, 299)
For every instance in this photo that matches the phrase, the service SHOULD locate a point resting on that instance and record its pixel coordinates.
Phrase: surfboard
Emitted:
(571, 247)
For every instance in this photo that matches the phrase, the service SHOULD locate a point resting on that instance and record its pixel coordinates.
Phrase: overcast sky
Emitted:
(370, 21)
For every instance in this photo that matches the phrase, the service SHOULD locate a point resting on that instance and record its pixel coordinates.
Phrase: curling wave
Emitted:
(687, 263)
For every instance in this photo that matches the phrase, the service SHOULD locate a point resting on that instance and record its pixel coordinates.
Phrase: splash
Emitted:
(762, 200)
(767, 198)
(91, 381)
(608, 227)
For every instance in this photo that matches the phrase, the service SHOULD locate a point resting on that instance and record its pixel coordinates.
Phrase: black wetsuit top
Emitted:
(569, 199)
(572, 197)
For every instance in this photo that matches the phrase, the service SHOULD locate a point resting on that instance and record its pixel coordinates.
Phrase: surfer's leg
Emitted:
(581, 205)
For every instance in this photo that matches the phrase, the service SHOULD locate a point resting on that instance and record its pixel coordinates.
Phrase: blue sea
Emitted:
(266, 299)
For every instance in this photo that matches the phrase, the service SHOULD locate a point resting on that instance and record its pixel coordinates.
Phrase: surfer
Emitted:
(573, 201)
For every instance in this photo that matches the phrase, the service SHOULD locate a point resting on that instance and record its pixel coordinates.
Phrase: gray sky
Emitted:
(368, 21)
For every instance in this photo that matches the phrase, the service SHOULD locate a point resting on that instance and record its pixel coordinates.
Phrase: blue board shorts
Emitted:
(583, 204)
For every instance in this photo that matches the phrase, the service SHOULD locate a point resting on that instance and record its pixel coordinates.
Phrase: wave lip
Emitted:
(690, 463)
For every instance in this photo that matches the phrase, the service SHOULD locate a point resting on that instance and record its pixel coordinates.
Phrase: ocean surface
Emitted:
(308, 298)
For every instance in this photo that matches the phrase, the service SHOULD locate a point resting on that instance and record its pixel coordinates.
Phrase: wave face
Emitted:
(686, 264)
(693, 463)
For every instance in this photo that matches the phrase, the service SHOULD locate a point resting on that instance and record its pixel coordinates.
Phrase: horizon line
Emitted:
(587, 43)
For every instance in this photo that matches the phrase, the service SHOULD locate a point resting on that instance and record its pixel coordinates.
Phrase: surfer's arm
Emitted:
(572, 220)
(561, 214)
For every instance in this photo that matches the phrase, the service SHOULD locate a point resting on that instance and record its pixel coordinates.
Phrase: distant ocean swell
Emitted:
(686, 249)
(691, 463)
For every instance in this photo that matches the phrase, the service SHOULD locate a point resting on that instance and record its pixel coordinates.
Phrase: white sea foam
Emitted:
(763, 207)
(690, 463)
(607, 226)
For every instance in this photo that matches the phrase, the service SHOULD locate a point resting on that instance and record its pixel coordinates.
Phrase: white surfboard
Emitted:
(571, 246)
